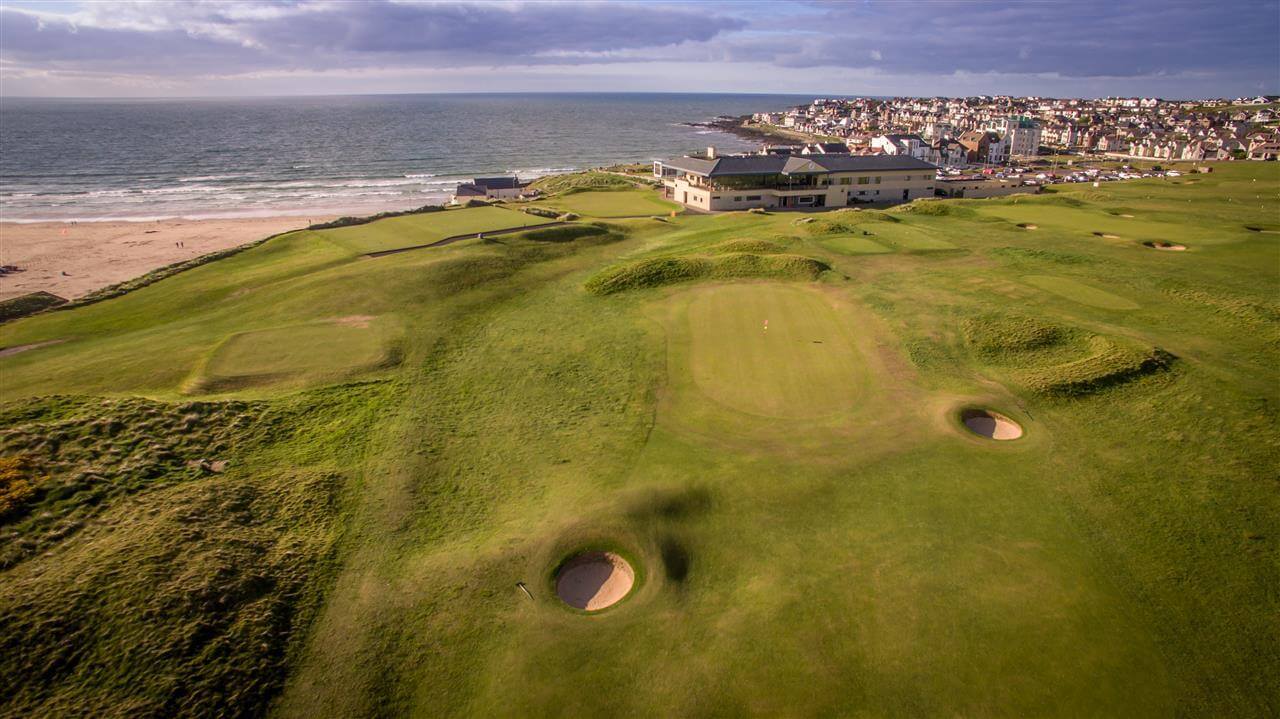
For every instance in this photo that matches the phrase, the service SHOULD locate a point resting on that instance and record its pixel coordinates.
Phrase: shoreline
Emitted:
(741, 127)
(74, 259)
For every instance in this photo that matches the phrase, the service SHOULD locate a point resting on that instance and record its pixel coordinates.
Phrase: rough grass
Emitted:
(137, 584)
(999, 337)
(660, 271)
(1037, 254)
(29, 304)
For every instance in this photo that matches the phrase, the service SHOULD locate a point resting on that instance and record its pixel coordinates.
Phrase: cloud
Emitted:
(1063, 45)
(1079, 39)
(177, 38)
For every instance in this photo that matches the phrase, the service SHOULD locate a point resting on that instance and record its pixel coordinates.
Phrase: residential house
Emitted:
(488, 188)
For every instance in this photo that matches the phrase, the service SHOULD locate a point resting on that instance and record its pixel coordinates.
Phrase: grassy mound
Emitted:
(929, 207)
(1109, 363)
(581, 182)
(29, 304)
(563, 233)
(998, 337)
(540, 212)
(668, 270)
(760, 247)
(843, 222)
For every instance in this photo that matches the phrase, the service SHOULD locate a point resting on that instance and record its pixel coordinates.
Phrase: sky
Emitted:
(1082, 48)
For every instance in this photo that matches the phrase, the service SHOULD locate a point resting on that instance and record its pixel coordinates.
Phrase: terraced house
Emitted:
(740, 182)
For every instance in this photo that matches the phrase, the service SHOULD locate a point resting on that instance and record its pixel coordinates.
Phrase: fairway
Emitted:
(615, 203)
(301, 352)
(428, 227)
(772, 350)
(1080, 292)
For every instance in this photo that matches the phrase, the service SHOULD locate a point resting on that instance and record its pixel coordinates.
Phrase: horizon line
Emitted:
(591, 92)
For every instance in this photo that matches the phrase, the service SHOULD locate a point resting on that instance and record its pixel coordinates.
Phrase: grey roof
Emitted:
(794, 164)
(498, 183)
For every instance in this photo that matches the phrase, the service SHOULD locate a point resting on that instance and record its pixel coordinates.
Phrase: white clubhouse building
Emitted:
(740, 182)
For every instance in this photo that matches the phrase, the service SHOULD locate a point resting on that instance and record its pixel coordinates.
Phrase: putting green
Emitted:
(615, 203)
(1080, 292)
(297, 353)
(910, 239)
(773, 350)
(853, 245)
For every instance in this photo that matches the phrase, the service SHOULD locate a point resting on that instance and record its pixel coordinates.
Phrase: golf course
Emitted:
(977, 458)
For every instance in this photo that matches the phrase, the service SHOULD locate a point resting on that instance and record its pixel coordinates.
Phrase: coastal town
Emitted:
(846, 152)
(996, 130)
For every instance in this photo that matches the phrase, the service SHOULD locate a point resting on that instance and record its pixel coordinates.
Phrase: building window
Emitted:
(738, 199)
(864, 181)
(862, 192)
(846, 180)
(752, 198)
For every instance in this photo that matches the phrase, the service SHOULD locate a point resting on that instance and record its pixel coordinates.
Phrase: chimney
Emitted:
(711, 152)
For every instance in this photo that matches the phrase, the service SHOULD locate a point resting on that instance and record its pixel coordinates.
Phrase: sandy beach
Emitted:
(73, 259)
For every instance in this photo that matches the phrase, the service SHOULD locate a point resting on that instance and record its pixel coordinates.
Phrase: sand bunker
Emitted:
(1108, 236)
(1028, 226)
(991, 425)
(594, 580)
(1166, 246)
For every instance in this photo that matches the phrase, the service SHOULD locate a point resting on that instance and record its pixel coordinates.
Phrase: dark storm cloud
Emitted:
(1076, 39)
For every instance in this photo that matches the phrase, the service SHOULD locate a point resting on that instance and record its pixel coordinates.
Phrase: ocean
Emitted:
(142, 159)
